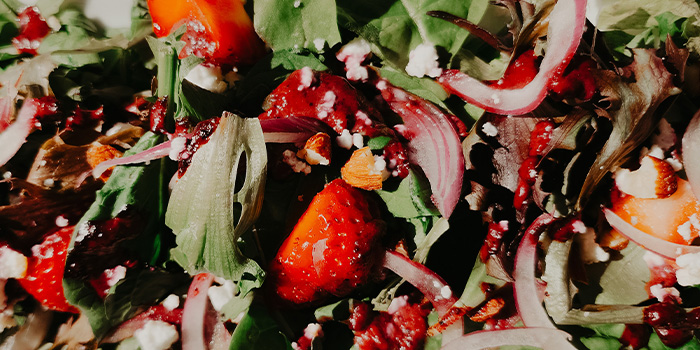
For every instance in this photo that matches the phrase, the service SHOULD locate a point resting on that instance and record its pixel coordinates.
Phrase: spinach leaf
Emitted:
(144, 188)
(287, 24)
(258, 331)
(410, 199)
(209, 213)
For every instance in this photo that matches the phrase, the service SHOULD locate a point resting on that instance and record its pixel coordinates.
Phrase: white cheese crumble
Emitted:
(380, 167)
(49, 183)
(312, 331)
(177, 145)
(397, 303)
(353, 54)
(6, 175)
(84, 230)
(685, 229)
(423, 61)
(357, 140)
(221, 295)
(12, 263)
(661, 293)
(688, 273)
(208, 78)
(362, 117)
(297, 165)
(319, 43)
(156, 335)
(446, 292)
(172, 302)
(307, 78)
(61, 221)
(297, 4)
(591, 252)
(489, 129)
(666, 138)
(114, 275)
(344, 140)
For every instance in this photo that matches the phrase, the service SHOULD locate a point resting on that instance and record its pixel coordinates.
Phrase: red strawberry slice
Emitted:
(332, 250)
(45, 271)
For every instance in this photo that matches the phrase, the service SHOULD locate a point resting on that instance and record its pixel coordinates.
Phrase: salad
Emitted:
(335, 174)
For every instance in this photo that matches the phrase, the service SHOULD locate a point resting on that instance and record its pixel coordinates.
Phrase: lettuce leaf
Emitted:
(209, 214)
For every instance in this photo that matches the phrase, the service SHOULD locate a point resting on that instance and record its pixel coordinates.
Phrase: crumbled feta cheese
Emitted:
(319, 43)
(49, 183)
(84, 230)
(688, 273)
(489, 129)
(156, 335)
(177, 145)
(344, 140)
(12, 263)
(591, 252)
(297, 165)
(666, 138)
(312, 331)
(221, 295)
(661, 293)
(307, 78)
(422, 61)
(297, 3)
(578, 226)
(446, 292)
(6, 175)
(397, 303)
(114, 275)
(172, 302)
(328, 100)
(207, 77)
(362, 117)
(61, 221)
(353, 54)
(358, 140)
(685, 229)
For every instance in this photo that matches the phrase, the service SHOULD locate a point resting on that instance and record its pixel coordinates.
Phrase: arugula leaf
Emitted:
(201, 208)
(287, 24)
(258, 331)
(422, 87)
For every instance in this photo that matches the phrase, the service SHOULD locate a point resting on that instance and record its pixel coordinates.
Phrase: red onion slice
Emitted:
(5, 112)
(526, 287)
(566, 24)
(156, 313)
(153, 153)
(537, 337)
(15, 135)
(430, 284)
(691, 147)
(195, 311)
(651, 243)
(292, 129)
(433, 145)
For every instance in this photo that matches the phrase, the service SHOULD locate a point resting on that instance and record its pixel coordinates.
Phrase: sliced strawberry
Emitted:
(217, 30)
(332, 249)
(403, 326)
(675, 218)
(32, 30)
(45, 271)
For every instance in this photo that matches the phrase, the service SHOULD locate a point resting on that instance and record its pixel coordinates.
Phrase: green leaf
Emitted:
(258, 331)
(296, 24)
(137, 291)
(378, 143)
(410, 199)
(203, 209)
(656, 344)
(338, 311)
(422, 87)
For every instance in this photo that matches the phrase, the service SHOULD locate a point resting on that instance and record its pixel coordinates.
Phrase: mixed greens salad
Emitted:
(335, 174)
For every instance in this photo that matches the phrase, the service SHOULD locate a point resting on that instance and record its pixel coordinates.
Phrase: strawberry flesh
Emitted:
(331, 251)
(32, 30)
(44, 279)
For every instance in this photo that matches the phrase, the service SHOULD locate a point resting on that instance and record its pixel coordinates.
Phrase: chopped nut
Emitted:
(317, 149)
(360, 171)
(655, 178)
(98, 153)
(489, 310)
